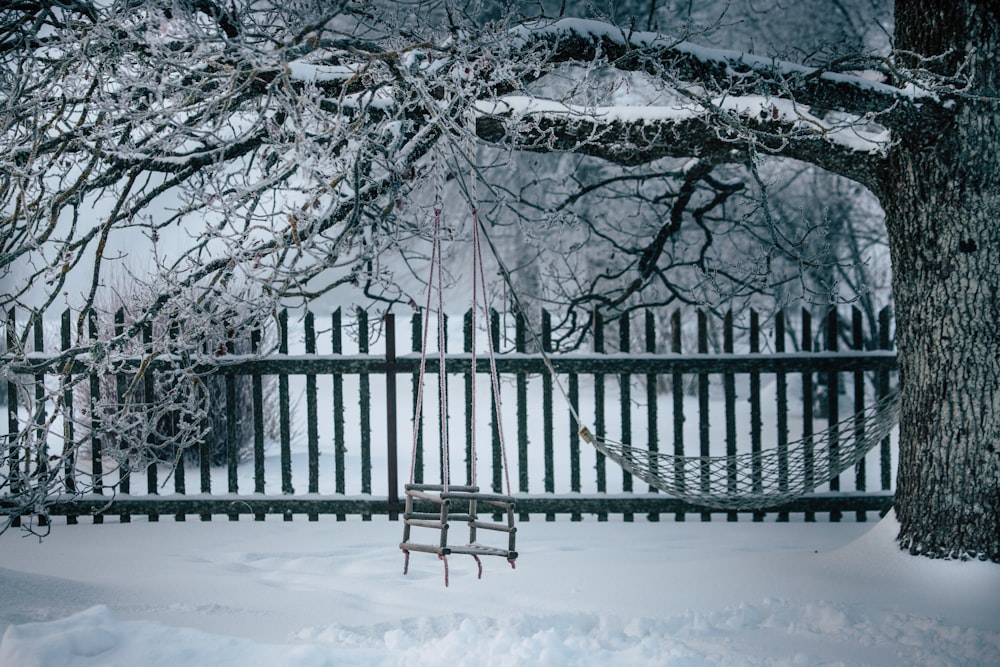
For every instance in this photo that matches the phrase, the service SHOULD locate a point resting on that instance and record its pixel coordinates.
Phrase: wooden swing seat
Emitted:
(466, 501)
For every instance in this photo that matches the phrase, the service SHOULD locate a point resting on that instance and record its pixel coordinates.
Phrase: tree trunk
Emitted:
(941, 193)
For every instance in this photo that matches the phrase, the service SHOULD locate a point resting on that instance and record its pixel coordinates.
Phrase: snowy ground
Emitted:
(300, 594)
(329, 593)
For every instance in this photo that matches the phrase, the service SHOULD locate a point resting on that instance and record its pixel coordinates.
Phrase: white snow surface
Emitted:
(331, 593)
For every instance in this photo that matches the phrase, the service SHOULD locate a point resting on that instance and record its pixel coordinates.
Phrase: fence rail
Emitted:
(677, 396)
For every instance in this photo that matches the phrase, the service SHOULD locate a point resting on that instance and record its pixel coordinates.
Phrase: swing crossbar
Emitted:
(441, 487)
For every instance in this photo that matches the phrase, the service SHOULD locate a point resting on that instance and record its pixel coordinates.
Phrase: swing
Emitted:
(442, 504)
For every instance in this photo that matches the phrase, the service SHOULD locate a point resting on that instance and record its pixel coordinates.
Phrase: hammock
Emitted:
(747, 481)
(760, 479)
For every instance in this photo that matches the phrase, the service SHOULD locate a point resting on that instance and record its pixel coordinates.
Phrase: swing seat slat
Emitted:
(500, 527)
(480, 550)
(425, 548)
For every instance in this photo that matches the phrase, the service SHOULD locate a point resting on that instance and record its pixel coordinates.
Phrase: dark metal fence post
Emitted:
(13, 426)
(729, 389)
(258, 421)
(390, 416)
(96, 427)
(781, 398)
(756, 420)
(312, 413)
(704, 434)
(597, 321)
(69, 436)
(833, 402)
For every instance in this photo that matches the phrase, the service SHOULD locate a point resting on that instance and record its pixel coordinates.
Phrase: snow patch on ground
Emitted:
(331, 593)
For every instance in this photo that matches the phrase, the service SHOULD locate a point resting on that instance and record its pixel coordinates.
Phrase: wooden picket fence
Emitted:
(648, 383)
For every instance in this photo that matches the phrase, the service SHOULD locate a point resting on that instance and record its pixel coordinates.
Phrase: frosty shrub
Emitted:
(173, 406)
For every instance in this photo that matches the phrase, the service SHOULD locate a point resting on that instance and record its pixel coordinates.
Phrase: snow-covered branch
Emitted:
(733, 73)
(722, 130)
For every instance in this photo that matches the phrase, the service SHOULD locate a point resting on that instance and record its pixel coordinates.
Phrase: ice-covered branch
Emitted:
(721, 71)
(719, 130)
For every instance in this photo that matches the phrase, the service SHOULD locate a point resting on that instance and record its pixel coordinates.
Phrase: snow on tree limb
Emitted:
(718, 131)
(718, 70)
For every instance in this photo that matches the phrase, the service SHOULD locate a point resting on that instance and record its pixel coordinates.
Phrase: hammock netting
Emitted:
(756, 480)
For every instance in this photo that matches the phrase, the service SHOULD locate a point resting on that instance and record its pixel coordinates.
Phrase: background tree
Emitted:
(294, 147)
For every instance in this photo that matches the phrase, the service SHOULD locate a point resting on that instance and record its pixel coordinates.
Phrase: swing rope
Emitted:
(467, 496)
(491, 353)
(479, 288)
(434, 281)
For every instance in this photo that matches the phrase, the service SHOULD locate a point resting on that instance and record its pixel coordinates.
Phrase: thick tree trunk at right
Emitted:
(941, 193)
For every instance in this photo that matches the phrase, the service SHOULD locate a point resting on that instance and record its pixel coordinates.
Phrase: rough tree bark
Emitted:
(940, 187)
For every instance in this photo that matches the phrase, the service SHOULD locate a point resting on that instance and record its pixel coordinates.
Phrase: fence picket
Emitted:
(704, 435)
(625, 402)
(574, 440)
(652, 426)
(232, 444)
(600, 428)
(885, 453)
(497, 446)
(807, 408)
(13, 426)
(96, 455)
(121, 386)
(756, 418)
(729, 391)
(833, 402)
(180, 488)
(42, 459)
(257, 388)
(548, 417)
(677, 390)
(781, 400)
(366, 411)
(860, 471)
(69, 434)
(284, 413)
(520, 346)
(149, 400)
(312, 412)
(416, 330)
(339, 444)
(392, 472)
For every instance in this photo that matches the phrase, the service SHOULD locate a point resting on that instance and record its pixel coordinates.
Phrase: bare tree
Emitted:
(296, 144)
